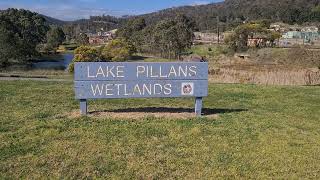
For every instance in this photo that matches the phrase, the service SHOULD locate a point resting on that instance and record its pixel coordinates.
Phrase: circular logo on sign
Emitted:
(187, 89)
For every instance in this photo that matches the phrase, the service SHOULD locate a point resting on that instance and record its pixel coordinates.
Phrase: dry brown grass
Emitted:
(269, 66)
(300, 57)
(267, 76)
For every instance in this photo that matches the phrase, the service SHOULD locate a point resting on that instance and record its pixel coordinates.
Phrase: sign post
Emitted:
(198, 106)
(83, 106)
(109, 80)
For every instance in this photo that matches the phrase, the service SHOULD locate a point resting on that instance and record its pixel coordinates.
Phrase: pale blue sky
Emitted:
(75, 9)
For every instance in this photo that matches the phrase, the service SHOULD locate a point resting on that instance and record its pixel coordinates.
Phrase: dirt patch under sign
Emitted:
(138, 113)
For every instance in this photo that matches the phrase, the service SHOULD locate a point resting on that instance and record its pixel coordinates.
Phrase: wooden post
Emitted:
(83, 107)
(198, 106)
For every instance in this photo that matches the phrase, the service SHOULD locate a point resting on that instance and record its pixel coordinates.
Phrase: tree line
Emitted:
(225, 15)
(167, 33)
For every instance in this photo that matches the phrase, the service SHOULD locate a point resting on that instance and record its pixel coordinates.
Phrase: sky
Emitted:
(78, 9)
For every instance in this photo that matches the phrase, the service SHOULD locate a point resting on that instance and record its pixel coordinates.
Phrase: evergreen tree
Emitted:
(83, 39)
(132, 32)
(21, 32)
(55, 37)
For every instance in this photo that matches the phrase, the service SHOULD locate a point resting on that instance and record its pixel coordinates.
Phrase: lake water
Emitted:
(60, 62)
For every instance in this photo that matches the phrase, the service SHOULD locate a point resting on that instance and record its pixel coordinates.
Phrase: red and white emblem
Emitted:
(187, 89)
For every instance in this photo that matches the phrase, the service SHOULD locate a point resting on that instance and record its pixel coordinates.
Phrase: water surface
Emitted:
(58, 62)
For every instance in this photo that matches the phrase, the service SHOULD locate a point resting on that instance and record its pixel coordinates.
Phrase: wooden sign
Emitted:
(107, 80)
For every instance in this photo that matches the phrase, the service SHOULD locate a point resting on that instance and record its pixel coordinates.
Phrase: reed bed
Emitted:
(266, 77)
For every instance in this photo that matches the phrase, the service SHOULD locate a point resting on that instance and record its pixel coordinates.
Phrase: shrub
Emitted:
(82, 39)
(117, 50)
(84, 54)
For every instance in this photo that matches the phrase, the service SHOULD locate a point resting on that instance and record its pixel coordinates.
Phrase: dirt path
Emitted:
(33, 79)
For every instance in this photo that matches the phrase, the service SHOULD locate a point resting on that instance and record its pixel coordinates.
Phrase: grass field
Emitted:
(260, 132)
(209, 51)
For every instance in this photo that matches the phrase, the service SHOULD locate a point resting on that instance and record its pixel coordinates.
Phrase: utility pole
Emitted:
(218, 31)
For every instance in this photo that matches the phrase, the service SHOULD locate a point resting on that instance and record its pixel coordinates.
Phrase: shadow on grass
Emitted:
(137, 58)
(205, 111)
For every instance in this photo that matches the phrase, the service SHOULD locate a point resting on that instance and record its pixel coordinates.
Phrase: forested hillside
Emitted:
(290, 11)
(93, 24)
(53, 21)
(228, 14)
(205, 16)
(232, 12)
(225, 15)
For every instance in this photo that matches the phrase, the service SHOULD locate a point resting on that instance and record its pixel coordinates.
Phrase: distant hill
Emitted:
(233, 12)
(291, 11)
(53, 21)
(229, 13)
(203, 15)
(226, 15)
(93, 25)
(50, 20)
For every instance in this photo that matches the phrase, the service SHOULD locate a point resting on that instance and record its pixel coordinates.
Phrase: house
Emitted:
(293, 38)
(279, 27)
(313, 29)
(259, 40)
(283, 28)
(207, 38)
(296, 35)
(292, 35)
(307, 36)
(101, 37)
(97, 40)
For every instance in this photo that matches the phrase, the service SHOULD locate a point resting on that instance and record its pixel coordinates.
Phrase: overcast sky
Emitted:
(76, 9)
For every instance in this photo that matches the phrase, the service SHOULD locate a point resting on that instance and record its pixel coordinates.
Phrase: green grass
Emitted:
(209, 51)
(261, 132)
(156, 59)
(44, 73)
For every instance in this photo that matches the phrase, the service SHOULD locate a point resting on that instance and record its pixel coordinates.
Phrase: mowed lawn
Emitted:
(259, 132)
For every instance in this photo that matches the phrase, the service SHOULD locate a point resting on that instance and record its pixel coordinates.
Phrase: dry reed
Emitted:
(267, 76)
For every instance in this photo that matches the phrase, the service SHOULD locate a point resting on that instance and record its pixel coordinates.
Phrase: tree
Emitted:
(238, 40)
(132, 32)
(184, 27)
(55, 37)
(117, 50)
(171, 37)
(272, 36)
(131, 27)
(21, 32)
(165, 38)
(7, 45)
(84, 54)
(83, 39)
(231, 41)
(315, 14)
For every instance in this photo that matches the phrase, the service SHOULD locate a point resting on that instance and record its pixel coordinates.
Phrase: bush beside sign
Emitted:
(107, 80)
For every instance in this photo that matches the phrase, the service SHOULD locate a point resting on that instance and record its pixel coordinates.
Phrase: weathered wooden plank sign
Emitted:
(107, 80)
